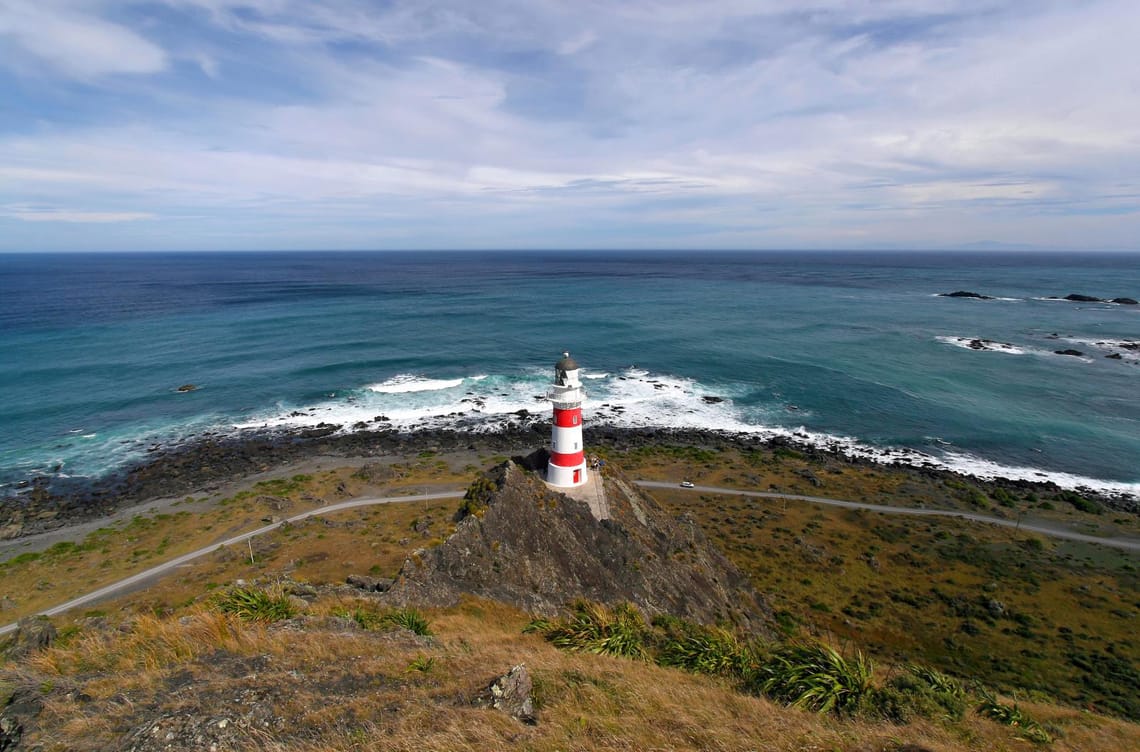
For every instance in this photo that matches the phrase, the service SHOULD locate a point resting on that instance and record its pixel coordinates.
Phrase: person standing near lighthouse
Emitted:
(567, 466)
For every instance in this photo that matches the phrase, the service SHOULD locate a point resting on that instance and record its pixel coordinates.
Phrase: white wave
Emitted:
(1128, 349)
(981, 468)
(634, 399)
(405, 383)
(982, 345)
(595, 375)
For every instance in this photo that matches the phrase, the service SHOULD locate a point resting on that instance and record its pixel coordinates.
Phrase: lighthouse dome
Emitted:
(567, 363)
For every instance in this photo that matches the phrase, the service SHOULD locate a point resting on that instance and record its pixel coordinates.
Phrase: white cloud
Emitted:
(31, 214)
(826, 121)
(81, 45)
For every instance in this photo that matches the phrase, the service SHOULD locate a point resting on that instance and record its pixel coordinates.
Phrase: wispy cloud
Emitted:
(926, 123)
(76, 42)
(30, 214)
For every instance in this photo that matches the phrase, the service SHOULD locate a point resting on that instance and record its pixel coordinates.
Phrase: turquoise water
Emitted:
(849, 349)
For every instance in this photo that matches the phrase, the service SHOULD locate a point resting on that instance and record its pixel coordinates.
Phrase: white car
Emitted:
(686, 484)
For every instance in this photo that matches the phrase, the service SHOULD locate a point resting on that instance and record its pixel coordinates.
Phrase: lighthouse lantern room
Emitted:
(567, 466)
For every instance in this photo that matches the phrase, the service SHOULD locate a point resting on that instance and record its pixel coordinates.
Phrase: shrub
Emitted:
(921, 692)
(476, 498)
(1011, 715)
(1003, 497)
(594, 628)
(408, 618)
(814, 676)
(373, 620)
(702, 650)
(1080, 502)
(256, 604)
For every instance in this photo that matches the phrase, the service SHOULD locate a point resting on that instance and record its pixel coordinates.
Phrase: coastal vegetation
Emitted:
(933, 632)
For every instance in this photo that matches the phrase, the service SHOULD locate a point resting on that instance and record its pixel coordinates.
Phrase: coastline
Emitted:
(210, 463)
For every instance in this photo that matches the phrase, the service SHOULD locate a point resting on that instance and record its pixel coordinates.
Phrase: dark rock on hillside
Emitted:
(964, 294)
(538, 549)
(511, 693)
(33, 633)
(18, 715)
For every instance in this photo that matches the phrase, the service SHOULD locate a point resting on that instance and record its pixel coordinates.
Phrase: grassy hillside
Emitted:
(1049, 624)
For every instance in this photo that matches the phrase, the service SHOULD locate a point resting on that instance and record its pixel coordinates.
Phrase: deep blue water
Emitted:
(858, 346)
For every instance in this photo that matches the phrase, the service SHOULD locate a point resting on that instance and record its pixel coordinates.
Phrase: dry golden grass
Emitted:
(323, 688)
(34, 583)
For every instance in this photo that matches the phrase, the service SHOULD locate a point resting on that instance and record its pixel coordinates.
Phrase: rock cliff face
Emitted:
(525, 544)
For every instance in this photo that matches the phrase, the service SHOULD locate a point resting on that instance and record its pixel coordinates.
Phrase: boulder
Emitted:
(1124, 301)
(964, 294)
(1075, 353)
(187, 388)
(371, 584)
(1082, 298)
(511, 693)
(33, 633)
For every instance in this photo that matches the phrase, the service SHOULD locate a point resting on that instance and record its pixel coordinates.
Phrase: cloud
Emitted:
(775, 124)
(29, 214)
(78, 44)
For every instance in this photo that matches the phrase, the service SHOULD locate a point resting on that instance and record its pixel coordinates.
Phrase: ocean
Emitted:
(855, 350)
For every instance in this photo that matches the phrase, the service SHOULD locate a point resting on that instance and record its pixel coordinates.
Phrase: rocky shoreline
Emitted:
(210, 462)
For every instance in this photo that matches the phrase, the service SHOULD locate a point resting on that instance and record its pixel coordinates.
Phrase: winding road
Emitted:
(137, 579)
(154, 572)
(1127, 544)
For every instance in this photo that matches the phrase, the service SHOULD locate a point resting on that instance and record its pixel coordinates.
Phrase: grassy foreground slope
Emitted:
(167, 661)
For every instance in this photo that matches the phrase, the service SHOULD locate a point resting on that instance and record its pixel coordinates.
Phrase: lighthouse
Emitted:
(567, 465)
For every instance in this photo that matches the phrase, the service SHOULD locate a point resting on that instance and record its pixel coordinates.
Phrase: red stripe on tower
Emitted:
(573, 459)
(567, 418)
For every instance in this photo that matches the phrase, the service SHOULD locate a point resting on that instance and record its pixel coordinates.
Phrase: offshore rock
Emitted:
(530, 546)
(964, 294)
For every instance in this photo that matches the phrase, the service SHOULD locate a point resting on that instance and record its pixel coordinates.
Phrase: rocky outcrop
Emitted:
(988, 344)
(1078, 298)
(964, 294)
(33, 633)
(1070, 351)
(18, 713)
(525, 544)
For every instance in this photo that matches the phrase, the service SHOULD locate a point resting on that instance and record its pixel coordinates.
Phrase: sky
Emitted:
(526, 124)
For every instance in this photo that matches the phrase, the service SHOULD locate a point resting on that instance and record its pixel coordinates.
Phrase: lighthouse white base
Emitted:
(557, 475)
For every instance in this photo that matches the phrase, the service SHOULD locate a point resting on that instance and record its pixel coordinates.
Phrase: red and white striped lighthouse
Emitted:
(567, 466)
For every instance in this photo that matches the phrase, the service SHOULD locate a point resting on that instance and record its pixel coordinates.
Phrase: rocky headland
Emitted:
(522, 542)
